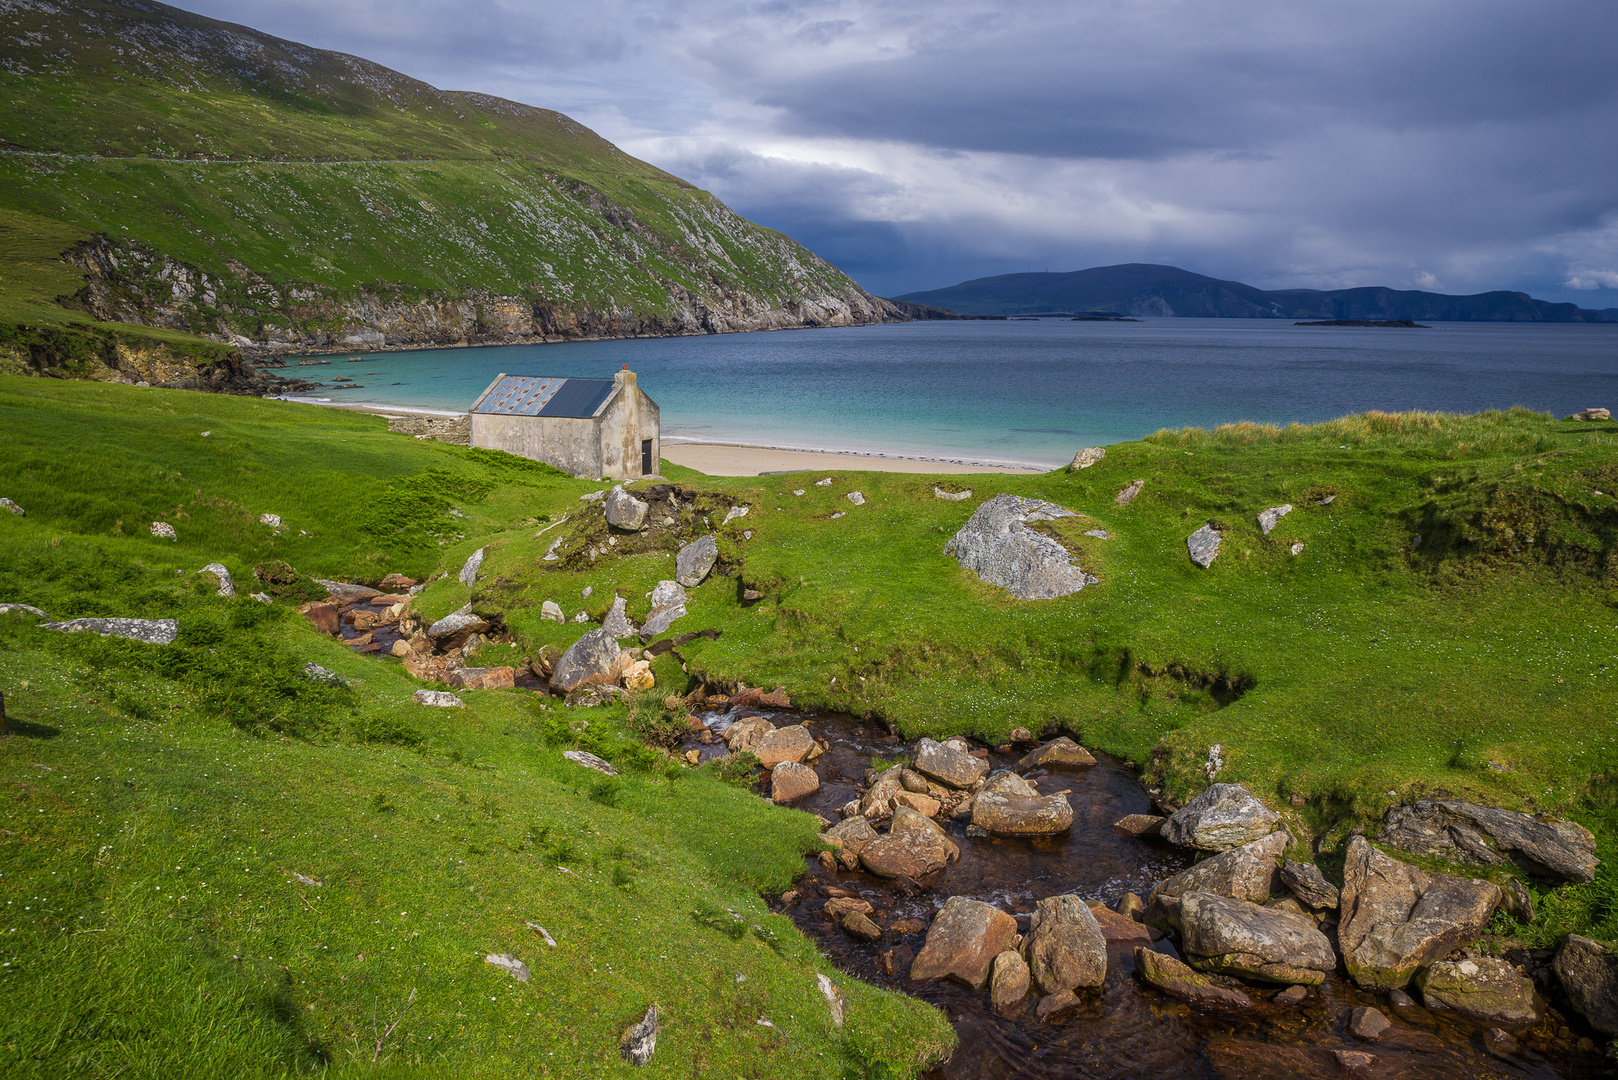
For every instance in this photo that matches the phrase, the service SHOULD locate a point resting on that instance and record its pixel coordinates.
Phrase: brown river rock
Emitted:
(1008, 806)
(914, 847)
(1064, 946)
(963, 942)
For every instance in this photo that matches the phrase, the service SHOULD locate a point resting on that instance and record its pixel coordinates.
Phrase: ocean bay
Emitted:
(1028, 393)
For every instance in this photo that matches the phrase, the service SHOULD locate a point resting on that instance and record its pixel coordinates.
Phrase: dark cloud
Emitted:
(1451, 144)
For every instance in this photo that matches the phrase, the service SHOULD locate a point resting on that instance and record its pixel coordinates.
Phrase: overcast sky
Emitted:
(1452, 145)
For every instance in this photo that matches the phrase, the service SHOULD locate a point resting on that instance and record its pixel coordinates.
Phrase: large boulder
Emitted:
(1309, 885)
(593, 656)
(948, 765)
(1485, 990)
(1221, 817)
(1062, 752)
(624, 511)
(1244, 873)
(997, 543)
(696, 560)
(790, 782)
(1086, 458)
(1064, 946)
(668, 604)
(1589, 975)
(1476, 835)
(963, 942)
(149, 631)
(791, 743)
(914, 847)
(1236, 937)
(1009, 806)
(1179, 981)
(1396, 919)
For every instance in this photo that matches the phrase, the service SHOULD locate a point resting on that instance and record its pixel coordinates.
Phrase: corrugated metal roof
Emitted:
(525, 395)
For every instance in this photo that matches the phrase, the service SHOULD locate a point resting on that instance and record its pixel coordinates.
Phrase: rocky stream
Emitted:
(1249, 1029)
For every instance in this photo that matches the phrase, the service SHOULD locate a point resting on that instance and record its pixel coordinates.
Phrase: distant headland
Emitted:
(1148, 289)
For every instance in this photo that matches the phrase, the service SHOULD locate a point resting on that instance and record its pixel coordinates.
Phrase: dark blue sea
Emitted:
(1030, 393)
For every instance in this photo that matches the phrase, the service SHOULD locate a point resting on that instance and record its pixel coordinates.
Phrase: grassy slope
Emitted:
(1373, 669)
(219, 146)
(151, 843)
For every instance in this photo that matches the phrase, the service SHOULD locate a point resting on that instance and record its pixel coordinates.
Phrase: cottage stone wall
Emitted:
(450, 429)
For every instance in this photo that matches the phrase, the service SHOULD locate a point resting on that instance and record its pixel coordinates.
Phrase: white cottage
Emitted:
(591, 428)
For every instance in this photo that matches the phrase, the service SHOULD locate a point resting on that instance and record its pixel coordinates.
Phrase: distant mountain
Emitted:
(262, 193)
(1150, 289)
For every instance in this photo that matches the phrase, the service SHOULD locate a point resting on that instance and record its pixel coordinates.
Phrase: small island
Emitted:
(1401, 323)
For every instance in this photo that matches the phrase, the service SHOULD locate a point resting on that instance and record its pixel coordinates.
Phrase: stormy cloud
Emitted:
(1439, 144)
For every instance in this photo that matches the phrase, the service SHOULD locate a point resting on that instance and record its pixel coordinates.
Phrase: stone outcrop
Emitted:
(488, 678)
(591, 658)
(1476, 835)
(1221, 817)
(1589, 976)
(149, 631)
(461, 621)
(1009, 806)
(223, 585)
(469, 571)
(963, 942)
(1247, 873)
(998, 544)
(1268, 519)
(1485, 990)
(441, 699)
(1396, 919)
(1179, 981)
(617, 621)
(1086, 458)
(1203, 545)
(1237, 937)
(696, 560)
(1064, 946)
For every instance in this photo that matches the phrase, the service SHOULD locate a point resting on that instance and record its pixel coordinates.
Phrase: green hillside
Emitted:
(243, 187)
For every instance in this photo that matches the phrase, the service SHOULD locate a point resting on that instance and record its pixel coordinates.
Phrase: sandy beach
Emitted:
(726, 459)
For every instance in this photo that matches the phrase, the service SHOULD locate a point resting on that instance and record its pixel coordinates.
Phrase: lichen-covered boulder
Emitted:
(668, 603)
(1396, 919)
(1476, 835)
(913, 847)
(1203, 545)
(1309, 885)
(1064, 946)
(1486, 990)
(1237, 937)
(997, 543)
(948, 765)
(1221, 817)
(1009, 806)
(149, 631)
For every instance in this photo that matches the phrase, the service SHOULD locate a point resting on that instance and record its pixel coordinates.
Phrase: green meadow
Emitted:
(1447, 627)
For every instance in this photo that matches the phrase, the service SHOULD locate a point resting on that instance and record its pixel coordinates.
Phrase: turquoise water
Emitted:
(1030, 392)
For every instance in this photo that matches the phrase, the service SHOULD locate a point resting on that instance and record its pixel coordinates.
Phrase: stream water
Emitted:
(1125, 1028)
